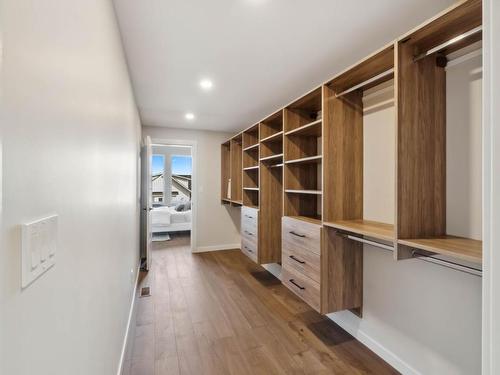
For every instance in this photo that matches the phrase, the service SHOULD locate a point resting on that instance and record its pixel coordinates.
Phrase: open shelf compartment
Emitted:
(225, 171)
(437, 157)
(251, 137)
(236, 169)
(359, 140)
(271, 135)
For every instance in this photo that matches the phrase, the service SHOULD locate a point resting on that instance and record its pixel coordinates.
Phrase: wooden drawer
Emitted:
(302, 286)
(250, 234)
(299, 235)
(249, 249)
(249, 216)
(249, 228)
(303, 261)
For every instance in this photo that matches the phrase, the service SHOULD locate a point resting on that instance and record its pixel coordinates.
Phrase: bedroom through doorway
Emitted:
(171, 195)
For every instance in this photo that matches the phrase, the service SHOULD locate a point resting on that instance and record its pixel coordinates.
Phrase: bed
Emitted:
(166, 219)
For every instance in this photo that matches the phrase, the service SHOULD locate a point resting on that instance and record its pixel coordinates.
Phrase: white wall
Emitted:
(70, 133)
(491, 186)
(423, 318)
(217, 225)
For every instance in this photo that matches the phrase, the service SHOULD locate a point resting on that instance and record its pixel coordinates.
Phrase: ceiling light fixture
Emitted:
(189, 116)
(206, 84)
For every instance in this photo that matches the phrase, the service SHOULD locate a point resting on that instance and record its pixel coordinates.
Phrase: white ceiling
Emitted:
(261, 54)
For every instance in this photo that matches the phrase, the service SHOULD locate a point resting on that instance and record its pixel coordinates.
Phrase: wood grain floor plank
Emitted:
(219, 313)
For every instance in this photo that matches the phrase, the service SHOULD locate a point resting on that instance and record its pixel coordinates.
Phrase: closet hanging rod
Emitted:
(368, 242)
(459, 267)
(370, 80)
(448, 43)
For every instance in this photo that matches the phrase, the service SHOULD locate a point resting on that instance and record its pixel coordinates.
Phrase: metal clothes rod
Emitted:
(448, 43)
(417, 255)
(464, 58)
(373, 79)
(368, 242)
(444, 263)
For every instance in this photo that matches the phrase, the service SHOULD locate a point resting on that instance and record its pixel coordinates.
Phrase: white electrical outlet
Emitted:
(39, 245)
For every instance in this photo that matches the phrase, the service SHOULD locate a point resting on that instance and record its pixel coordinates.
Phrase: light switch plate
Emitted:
(39, 247)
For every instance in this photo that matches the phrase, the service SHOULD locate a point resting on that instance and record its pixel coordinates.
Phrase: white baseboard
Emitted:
(375, 346)
(361, 336)
(203, 249)
(131, 314)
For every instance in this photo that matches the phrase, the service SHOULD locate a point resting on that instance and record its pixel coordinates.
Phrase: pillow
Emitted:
(183, 207)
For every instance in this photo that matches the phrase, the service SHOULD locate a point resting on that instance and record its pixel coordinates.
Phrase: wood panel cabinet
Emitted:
(319, 269)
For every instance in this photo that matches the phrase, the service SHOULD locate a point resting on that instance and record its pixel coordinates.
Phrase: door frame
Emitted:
(194, 179)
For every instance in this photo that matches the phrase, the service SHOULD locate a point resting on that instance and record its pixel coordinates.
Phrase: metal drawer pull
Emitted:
(296, 234)
(247, 232)
(250, 217)
(297, 260)
(297, 285)
(246, 247)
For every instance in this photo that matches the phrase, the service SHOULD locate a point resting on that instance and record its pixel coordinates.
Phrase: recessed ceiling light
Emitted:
(206, 84)
(189, 116)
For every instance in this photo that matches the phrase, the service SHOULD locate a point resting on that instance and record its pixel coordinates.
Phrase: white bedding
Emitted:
(168, 215)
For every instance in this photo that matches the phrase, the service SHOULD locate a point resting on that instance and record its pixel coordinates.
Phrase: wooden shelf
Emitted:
(365, 71)
(225, 200)
(251, 147)
(312, 192)
(462, 18)
(457, 247)
(272, 157)
(276, 137)
(237, 203)
(255, 167)
(279, 165)
(373, 229)
(307, 160)
(271, 126)
(313, 220)
(310, 129)
(251, 188)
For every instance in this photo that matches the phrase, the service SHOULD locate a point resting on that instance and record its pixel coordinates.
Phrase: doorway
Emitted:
(169, 195)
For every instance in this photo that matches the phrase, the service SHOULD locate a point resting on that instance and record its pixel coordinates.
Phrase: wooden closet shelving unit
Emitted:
(231, 171)
(236, 170)
(362, 158)
(271, 188)
(347, 145)
(422, 132)
(303, 157)
(251, 167)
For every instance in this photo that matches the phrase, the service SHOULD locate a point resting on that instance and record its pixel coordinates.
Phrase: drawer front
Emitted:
(249, 249)
(250, 234)
(302, 286)
(249, 229)
(249, 216)
(303, 261)
(299, 235)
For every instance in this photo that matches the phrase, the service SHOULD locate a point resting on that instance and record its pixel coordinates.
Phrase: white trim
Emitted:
(202, 249)
(491, 189)
(129, 322)
(194, 177)
(376, 347)
(384, 353)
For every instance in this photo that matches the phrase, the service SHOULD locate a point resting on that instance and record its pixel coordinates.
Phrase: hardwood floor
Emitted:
(219, 313)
